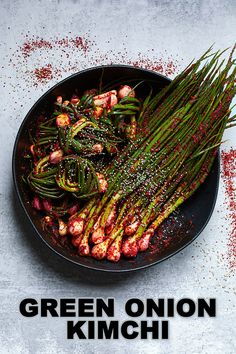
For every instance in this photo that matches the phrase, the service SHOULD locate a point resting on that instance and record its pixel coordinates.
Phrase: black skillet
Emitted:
(178, 231)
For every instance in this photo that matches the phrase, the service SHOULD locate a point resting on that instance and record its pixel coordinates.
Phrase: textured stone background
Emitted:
(27, 268)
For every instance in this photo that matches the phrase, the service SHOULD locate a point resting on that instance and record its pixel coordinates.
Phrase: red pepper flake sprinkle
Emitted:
(73, 53)
(166, 67)
(44, 74)
(229, 178)
(79, 42)
(30, 46)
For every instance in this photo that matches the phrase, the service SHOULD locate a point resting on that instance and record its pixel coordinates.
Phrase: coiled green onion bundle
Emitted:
(77, 175)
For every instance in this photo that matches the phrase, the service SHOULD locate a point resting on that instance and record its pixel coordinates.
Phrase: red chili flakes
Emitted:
(30, 46)
(44, 74)
(229, 177)
(63, 42)
(71, 54)
(79, 42)
(163, 66)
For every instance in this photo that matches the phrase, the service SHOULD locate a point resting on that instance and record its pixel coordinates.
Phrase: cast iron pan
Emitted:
(178, 231)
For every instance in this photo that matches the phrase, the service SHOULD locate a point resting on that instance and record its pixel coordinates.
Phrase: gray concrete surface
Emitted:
(184, 29)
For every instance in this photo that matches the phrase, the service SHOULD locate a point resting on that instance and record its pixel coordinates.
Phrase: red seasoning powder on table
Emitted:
(51, 58)
(31, 45)
(229, 177)
(165, 67)
(44, 74)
